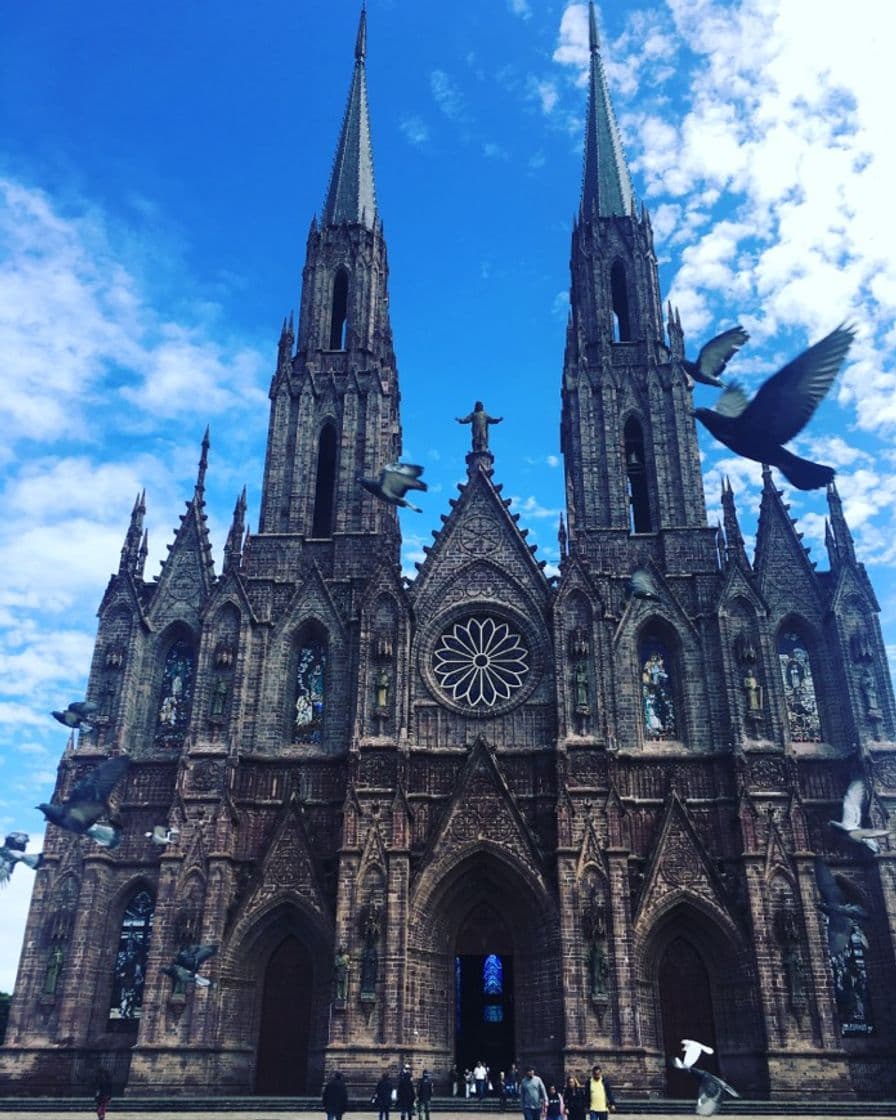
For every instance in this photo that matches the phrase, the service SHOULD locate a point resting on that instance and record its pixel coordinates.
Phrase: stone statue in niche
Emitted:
(54, 967)
(341, 964)
(580, 674)
(371, 927)
(788, 935)
(383, 686)
(594, 924)
(753, 693)
(868, 685)
(219, 698)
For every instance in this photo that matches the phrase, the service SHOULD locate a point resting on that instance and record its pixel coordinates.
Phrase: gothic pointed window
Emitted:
(129, 971)
(636, 476)
(325, 486)
(851, 986)
(310, 685)
(658, 688)
(799, 687)
(173, 712)
(339, 311)
(622, 331)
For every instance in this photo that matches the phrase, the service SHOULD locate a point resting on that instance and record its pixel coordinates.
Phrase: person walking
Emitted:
(454, 1081)
(382, 1096)
(335, 1097)
(424, 1095)
(555, 1107)
(574, 1098)
(468, 1083)
(501, 1090)
(480, 1079)
(600, 1096)
(103, 1093)
(533, 1094)
(406, 1096)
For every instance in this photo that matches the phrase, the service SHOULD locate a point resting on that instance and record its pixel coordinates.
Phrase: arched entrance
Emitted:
(484, 964)
(285, 1025)
(686, 1010)
(483, 991)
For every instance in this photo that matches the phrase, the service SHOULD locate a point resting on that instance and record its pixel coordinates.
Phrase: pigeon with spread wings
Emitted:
(715, 355)
(839, 902)
(851, 818)
(710, 1089)
(185, 969)
(394, 482)
(783, 406)
(88, 801)
(77, 715)
(12, 851)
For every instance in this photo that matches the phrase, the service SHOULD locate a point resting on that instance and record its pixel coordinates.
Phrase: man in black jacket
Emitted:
(335, 1097)
(424, 1095)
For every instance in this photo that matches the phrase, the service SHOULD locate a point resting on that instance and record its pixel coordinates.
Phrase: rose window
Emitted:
(480, 662)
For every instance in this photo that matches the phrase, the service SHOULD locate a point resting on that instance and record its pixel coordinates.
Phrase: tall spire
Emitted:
(130, 552)
(735, 550)
(203, 467)
(233, 548)
(606, 185)
(838, 538)
(351, 197)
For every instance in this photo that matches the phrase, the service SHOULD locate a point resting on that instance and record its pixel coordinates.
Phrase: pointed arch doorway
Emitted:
(285, 1027)
(686, 1010)
(484, 991)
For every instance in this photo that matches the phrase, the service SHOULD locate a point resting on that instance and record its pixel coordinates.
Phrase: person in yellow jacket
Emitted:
(600, 1096)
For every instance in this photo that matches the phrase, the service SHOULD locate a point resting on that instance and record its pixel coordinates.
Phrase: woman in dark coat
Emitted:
(406, 1094)
(574, 1097)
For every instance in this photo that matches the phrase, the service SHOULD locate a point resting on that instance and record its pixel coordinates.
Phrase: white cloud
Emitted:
(447, 94)
(572, 48)
(415, 130)
(520, 8)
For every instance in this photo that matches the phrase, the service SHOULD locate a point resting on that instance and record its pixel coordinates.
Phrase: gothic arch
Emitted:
(620, 303)
(797, 645)
(283, 919)
(308, 683)
(119, 968)
(222, 646)
(325, 481)
(447, 893)
(641, 519)
(687, 932)
(339, 310)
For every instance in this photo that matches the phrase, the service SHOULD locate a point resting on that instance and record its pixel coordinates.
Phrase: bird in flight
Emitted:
(162, 835)
(851, 818)
(843, 913)
(710, 1089)
(395, 479)
(642, 585)
(782, 407)
(77, 715)
(691, 1050)
(715, 355)
(185, 969)
(12, 851)
(88, 801)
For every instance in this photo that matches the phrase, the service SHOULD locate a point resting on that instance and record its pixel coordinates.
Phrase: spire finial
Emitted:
(361, 41)
(203, 464)
(593, 39)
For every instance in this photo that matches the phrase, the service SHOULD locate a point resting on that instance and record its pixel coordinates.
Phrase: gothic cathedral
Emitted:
(483, 813)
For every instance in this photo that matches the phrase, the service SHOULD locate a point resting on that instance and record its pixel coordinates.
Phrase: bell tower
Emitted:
(334, 394)
(628, 437)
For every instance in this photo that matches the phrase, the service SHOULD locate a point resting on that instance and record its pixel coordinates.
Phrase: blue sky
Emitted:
(160, 165)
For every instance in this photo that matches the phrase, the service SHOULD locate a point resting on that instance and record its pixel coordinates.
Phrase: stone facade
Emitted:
(379, 784)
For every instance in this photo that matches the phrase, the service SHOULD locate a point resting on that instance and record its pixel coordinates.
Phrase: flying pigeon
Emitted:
(842, 914)
(88, 801)
(641, 585)
(186, 964)
(162, 835)
(77, 714)
(709, 1089)
(757, 429)
(715, 355)
(692, 1051)
(851, 822)
(394, 482)
(12, 851)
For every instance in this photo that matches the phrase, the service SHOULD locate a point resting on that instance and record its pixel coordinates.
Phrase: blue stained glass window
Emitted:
(492, 977)
(177, 693)
(851, 987)
(799, 688)
(657, 690)
(493, 1013)
(310, 679)
(129, 974)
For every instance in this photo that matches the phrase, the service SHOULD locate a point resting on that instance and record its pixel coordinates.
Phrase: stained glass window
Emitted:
(177, 692)
(799, 688)
(492, 976)
(310, 680)
(129, 974)
(657, 690)
(493, 1013)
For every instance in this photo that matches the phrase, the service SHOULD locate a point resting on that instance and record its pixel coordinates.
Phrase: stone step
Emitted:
(440, 1105)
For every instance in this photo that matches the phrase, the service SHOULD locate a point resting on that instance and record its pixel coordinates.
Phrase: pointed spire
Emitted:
(735, 549)
(234, 544)
(606, 185)
(144, 552)
(844, 550)
(203, 467)
(285, 344)
(351, 197)
(130, 550)
(561, 537)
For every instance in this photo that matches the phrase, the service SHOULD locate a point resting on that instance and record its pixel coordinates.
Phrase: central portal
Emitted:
(483, 993)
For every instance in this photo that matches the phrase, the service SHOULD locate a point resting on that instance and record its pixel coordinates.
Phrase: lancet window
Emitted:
(310, 685)
(129, 972)
(799, 687)
(658, 688)
(325, 486)
(173, 713)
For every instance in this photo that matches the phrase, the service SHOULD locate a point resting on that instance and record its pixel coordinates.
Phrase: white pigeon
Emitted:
(710, 1088)
(692, 1050)
(161, 835)
(851, 822)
